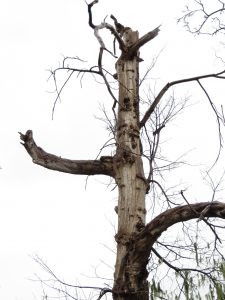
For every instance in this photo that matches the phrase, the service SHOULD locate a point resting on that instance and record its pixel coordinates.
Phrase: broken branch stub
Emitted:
(128, 44)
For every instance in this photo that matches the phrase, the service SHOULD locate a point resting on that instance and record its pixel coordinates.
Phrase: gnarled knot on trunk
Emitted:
(122, 238)
(123, 155)
(140, 224)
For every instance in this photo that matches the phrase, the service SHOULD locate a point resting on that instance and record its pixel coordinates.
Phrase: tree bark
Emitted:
(134, 238)
(104, 166)
(129, 176)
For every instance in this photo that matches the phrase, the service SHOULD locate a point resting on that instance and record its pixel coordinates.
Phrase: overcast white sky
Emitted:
(48, 213)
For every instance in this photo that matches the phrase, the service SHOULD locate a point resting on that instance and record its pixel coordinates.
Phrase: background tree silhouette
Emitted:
(202, 17)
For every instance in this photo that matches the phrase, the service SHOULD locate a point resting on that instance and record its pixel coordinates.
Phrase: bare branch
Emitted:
(180, 214)
(180, 270)
(106, 81)
(219, 120)
(148, 113)
(203, 215)
(117, 36)
(104, 25)
(71, 71)
(90, 13)
(53, 162)
(163, 191)
(209, 22)
(57, 284)
(165, 261)
(59, 91)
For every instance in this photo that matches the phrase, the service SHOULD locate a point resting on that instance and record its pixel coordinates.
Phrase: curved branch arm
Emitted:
(57, 163)
(220, 75)
(141, 245)
(183, 213)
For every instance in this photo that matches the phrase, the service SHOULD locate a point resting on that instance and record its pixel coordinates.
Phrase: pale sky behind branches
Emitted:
(49, 213)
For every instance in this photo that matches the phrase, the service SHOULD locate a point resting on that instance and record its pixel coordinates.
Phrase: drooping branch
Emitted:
(220, 75)
(220, 120)
(57, 163)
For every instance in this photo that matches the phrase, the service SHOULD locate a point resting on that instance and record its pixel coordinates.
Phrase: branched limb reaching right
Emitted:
(210, 20)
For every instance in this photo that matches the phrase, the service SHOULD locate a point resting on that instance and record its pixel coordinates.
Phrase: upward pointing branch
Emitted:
(90, 14)
(220, 75)
(103, 25)
(144, 40)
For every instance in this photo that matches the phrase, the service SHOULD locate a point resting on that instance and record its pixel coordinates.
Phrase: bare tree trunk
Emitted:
(129, 175)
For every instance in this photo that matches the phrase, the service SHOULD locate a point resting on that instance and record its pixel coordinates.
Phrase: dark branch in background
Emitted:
(169, 84)
(180, 270)
(220, 120)
(163, 191)
(104, 25)
(71, 70)
(163, 113)
(209, 22)
(203, 215)
(119, 27)
(120, 30)
(158, 98)
(90, 14)
(57, 163)
(59, 285)
(154, 60)
(59, 91)
(106, 81)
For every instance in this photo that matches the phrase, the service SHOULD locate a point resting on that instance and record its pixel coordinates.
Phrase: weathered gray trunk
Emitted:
(130, 179)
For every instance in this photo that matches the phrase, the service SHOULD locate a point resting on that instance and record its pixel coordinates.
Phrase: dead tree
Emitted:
(135, 239)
